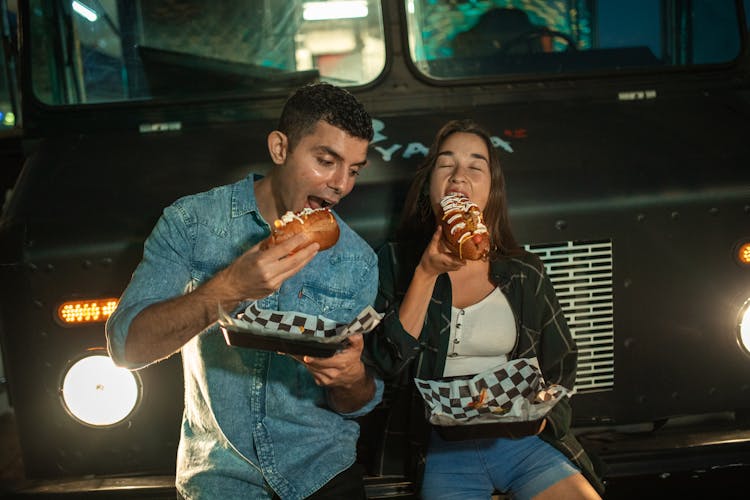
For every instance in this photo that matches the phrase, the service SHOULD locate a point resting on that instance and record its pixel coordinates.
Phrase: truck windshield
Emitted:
(93, 51)
(479, 39)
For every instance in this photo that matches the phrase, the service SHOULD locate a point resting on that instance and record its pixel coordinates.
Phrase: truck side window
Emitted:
(455, 40)
(120, 50)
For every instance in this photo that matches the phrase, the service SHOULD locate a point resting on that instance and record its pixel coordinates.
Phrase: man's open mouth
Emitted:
(317, 202)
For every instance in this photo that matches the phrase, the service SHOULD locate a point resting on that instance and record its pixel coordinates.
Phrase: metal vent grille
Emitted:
(581, 273)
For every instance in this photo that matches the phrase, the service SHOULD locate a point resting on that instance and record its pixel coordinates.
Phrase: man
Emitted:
(259, 424)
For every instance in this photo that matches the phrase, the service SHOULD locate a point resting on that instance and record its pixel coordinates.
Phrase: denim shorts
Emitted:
(474, 468)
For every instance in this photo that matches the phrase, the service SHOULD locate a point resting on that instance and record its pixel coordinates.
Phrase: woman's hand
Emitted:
(436, 258)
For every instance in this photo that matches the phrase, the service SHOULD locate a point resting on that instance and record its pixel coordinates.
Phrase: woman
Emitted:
(508, 309)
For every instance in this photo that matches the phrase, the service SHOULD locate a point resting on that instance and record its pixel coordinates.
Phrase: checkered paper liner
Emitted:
(295, 325)
(511, 392)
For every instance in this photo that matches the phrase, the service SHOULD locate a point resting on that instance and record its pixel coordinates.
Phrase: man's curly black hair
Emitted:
(323, 101)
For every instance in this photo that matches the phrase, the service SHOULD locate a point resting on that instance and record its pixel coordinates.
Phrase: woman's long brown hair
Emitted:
(417, 218)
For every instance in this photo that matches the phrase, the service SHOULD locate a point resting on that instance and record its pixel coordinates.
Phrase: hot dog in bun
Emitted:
(319, 224)
(464, 232)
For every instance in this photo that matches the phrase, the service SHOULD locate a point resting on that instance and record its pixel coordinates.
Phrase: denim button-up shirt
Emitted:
(249, 412)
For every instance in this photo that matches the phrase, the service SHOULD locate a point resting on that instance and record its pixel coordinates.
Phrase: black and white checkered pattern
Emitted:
(290, 322)
(461, 399)
(365, 321)
(312, 326)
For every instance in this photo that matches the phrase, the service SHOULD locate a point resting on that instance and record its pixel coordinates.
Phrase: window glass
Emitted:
(89, 51)
(489, 38)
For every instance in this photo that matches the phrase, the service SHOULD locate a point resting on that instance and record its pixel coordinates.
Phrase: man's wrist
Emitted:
(219, 290)
(351, 397)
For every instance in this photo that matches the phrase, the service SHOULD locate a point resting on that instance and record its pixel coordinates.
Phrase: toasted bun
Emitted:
(319, 224)
(464, 232)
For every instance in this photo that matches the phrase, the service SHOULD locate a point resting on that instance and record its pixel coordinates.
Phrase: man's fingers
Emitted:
(278, 271)
(356, 342)
(261, 270)
(291, 264)
(282, 258)
(287, 247)
(341, 360)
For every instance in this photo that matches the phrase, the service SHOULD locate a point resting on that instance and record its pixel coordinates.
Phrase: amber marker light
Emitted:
(743, 254)
(78, 312)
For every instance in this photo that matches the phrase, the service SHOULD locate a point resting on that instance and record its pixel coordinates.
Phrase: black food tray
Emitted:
(302, 346)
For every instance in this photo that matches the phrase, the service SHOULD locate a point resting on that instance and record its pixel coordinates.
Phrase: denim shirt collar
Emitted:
(243, 198)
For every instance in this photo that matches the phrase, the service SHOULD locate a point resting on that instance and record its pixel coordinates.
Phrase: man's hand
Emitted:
(350, 386)
(162, 329)
(259, 272)
(343, 369)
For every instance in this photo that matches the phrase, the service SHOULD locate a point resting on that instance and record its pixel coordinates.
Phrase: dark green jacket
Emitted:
(543, 333)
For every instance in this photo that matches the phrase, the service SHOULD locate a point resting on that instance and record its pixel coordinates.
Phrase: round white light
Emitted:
(744, 326)
(98, 393)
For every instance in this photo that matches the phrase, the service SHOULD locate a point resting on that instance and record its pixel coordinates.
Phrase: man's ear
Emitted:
(278, 144)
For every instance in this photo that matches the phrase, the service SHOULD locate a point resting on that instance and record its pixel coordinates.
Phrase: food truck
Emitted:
(622, 132)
